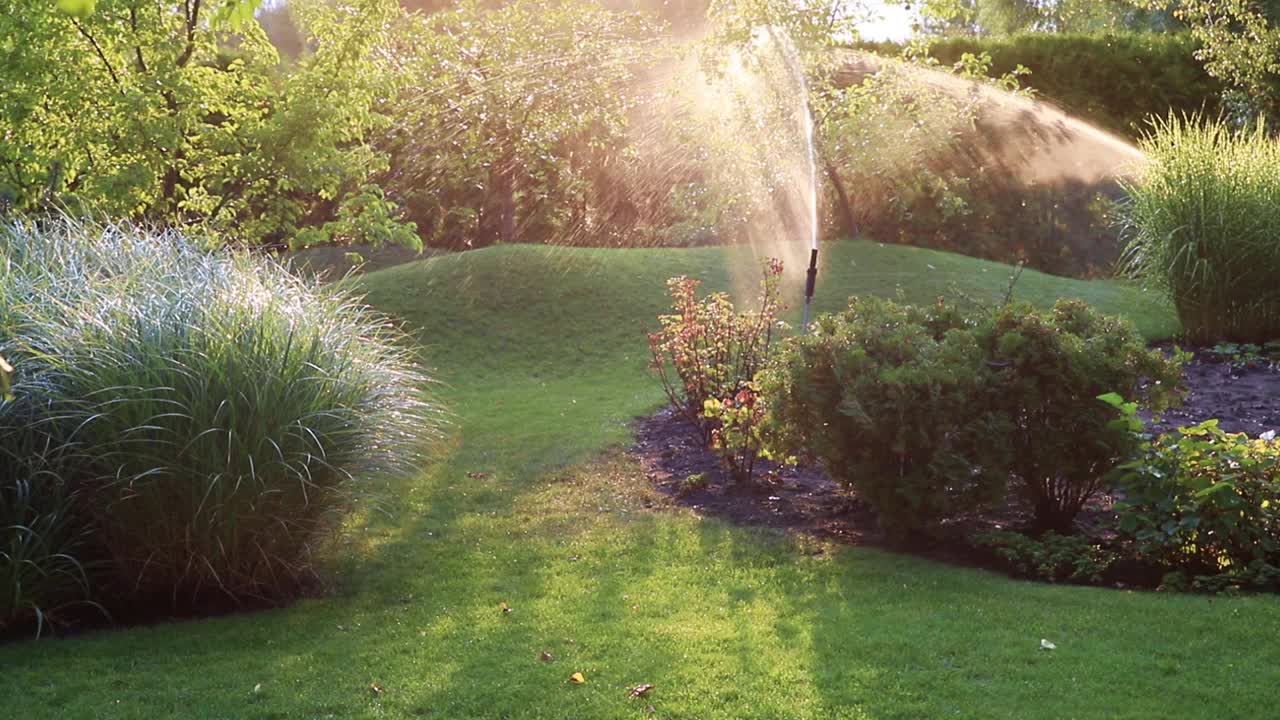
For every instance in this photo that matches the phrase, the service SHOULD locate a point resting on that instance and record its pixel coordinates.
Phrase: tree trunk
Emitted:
(505, 186)
(847, 222)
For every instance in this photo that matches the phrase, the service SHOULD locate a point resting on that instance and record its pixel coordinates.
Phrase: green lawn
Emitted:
(541, 356)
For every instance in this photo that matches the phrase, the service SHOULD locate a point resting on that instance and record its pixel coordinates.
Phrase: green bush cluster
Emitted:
(182, 115)
(883, 395)
(1205, 505)
(1065, 229)
(1045, 371)
(1204, 227)
(183, 426)
(929, 412)
(1050, 557)
(1117, 80)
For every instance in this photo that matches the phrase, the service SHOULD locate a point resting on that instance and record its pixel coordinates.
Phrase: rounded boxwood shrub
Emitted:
(223, 414)
(884, 394)
(1044, 374)
(929, 412)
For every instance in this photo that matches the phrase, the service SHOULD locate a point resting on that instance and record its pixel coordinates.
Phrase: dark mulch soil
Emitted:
(799, 498)
(1244, 397)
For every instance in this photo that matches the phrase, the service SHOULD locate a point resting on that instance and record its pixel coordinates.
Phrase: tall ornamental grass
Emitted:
(1204, 227)
(44, 547)
(215, 417)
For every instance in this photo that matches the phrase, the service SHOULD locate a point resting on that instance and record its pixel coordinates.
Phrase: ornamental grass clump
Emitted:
(1204, 227)
(45, 561)
(224, 415)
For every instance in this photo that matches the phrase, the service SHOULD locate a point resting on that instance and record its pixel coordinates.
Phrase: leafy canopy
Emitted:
(183, 114)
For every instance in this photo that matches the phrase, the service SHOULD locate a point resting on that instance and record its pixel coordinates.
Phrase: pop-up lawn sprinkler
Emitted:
(811, 280)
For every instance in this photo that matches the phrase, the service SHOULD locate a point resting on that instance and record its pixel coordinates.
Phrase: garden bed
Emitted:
(1244, 396)
(791, 498)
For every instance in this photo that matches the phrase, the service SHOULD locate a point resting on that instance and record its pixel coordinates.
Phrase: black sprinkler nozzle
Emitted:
(811, 281)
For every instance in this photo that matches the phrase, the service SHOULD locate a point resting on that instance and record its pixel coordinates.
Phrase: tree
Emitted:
(508, 115)
(1005, 17)
(1240, 45)
(182, 114)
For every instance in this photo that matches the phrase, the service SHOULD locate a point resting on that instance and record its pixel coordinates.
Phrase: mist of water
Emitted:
(737, 120)
(804, 119)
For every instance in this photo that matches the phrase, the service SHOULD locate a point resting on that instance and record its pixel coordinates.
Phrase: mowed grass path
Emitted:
(541, 356)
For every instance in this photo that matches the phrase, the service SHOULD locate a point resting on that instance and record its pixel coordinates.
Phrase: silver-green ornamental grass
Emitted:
(1203, 223)
(226, 414)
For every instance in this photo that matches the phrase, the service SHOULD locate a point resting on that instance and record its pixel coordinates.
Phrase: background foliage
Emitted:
(185, 116)
(1116, 80)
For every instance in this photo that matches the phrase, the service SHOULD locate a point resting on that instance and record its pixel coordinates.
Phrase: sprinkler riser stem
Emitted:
(810, 284)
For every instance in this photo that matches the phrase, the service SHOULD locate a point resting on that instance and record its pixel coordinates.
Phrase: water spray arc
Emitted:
(804, 119)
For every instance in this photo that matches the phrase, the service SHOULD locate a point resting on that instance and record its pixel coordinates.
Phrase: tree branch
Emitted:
(193, 18)
(137, 45)
(98, 49)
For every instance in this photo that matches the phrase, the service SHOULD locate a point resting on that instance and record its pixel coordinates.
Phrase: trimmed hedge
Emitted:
(1117, 81)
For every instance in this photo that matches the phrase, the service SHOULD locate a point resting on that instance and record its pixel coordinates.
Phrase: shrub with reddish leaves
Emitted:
(707, 354)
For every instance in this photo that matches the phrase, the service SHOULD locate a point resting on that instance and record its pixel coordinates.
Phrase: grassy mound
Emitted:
(542, 357)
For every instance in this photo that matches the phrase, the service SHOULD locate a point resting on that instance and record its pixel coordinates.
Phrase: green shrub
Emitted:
(706, 356)
(931, 411)
(1206, 505)
(225, 414)
(1204, 227)
(884, 394)
(1050, 557)
(1045, 371)
(191, 128)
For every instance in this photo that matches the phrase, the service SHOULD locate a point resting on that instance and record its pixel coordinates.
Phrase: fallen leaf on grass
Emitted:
(546, 656)
(577, 678)
(376, 688)
(1046, 645)
(640, 690)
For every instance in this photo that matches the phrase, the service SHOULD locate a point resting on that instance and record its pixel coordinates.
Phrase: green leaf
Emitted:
(1112, 399)
(78, 8)
(1215, 489)
(235, 13)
